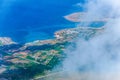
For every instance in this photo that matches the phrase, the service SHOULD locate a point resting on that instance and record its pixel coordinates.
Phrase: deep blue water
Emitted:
(28, 20)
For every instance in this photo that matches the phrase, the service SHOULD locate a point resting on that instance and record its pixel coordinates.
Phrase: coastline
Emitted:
(40, 56)
(62, 35)
(80, 17)
(45, 53)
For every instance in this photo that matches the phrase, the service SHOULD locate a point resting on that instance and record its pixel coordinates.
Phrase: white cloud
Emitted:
(100, 56)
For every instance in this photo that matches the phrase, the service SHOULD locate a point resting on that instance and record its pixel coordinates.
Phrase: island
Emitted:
(31, 60)
(81, 17)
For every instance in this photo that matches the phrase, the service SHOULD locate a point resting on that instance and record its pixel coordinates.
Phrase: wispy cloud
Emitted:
(99, 57)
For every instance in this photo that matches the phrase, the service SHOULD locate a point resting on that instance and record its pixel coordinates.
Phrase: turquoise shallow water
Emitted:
(29, 20)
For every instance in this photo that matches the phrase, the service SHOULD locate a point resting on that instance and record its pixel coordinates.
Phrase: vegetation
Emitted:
(25, 62)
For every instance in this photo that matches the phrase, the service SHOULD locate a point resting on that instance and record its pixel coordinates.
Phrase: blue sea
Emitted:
(29, 20)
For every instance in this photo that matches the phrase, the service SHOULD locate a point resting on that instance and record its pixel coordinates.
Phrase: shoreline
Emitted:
(80, 17)
(47, 53)
(57, 35)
